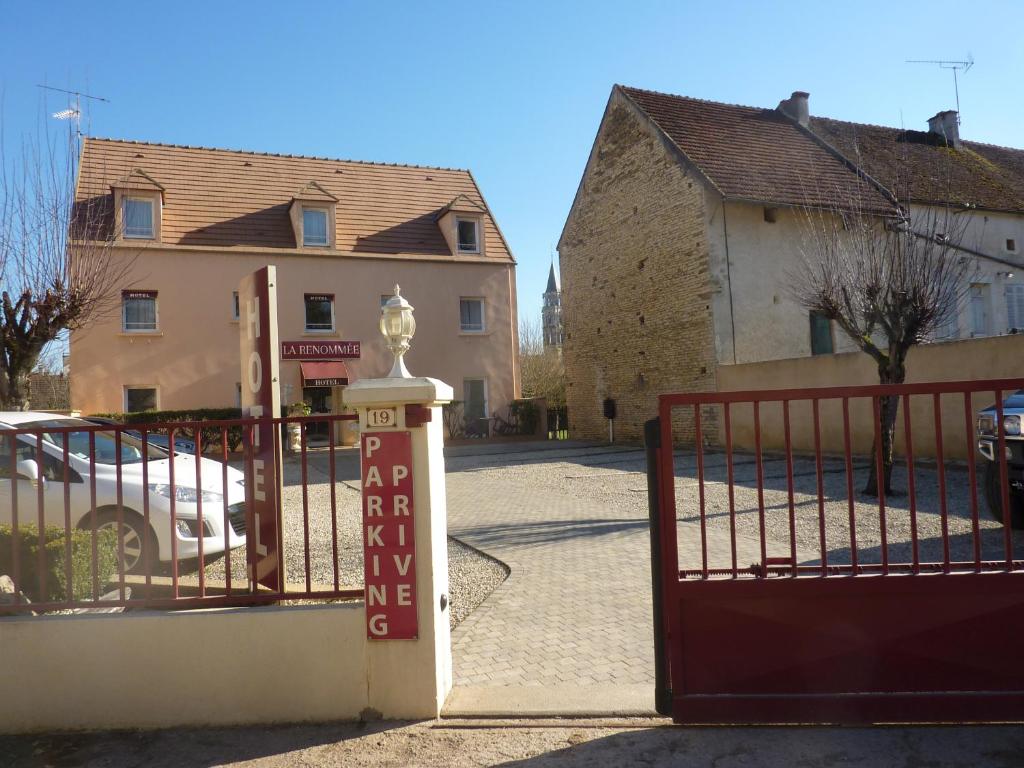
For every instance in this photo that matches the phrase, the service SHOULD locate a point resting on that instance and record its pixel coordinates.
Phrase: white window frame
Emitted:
(476, 232)
(483, 315)
(983, 293)
(305, 317)
(124, 395)
(124, 217)
(156, 317)
(1015, 310)
(327, 227)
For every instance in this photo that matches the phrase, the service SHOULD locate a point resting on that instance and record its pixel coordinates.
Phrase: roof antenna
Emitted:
(74, 110)
(956, 66)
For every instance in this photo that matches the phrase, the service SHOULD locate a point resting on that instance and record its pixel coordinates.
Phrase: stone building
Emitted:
(683, 242)
(551, 313)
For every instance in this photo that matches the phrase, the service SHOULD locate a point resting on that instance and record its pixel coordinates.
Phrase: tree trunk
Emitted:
(14, 390)
(892, 373)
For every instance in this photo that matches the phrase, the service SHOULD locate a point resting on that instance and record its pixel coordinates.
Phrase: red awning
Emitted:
(330, 374)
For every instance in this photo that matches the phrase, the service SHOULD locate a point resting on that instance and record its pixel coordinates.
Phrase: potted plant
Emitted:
(295, 428)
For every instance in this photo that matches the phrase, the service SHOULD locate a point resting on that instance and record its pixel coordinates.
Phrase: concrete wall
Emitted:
(635, 286)
(193, 359)
(212, 667)
(989, 358)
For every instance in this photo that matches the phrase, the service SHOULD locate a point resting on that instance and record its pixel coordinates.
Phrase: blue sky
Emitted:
(512, 90)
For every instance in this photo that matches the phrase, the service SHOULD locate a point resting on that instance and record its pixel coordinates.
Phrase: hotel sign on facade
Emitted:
(320, 350)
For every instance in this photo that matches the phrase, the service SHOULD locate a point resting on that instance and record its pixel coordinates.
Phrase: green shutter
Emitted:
(821, 335)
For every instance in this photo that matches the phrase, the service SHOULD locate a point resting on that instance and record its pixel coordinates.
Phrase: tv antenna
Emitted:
(956, 66)
(74, 110)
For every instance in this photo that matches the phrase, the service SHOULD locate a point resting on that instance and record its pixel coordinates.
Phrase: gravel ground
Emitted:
(472, 574)
(836, 511)
(525, 743)
(617, 477)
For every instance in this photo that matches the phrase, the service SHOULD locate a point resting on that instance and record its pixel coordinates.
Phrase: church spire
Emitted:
(552, 280)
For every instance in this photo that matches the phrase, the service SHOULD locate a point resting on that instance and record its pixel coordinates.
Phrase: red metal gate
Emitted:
(782, 594)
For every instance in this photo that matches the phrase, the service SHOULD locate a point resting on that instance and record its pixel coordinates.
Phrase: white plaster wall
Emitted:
(210, 667)
(752, 296)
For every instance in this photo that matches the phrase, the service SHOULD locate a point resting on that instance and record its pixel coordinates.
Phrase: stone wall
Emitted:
(635, 285)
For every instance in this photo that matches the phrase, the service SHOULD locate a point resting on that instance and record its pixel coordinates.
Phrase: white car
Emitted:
(137, 540)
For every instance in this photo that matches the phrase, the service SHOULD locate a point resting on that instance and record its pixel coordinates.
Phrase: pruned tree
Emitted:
(57, 273)
(889, 283)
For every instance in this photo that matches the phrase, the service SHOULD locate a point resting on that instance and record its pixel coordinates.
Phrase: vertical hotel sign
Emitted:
(389, 541)
(257, 302)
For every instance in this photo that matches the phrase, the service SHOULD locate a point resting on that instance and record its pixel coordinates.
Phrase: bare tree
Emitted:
(542, 368)
(889, 283)
(57, 273)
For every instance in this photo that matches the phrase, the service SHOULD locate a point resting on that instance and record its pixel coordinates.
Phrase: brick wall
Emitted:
(635, 286)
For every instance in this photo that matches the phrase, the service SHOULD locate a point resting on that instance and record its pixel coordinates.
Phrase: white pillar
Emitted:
(412, 678)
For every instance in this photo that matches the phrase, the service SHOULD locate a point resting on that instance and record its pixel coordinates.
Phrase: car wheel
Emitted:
(137, 539)
(994, 498)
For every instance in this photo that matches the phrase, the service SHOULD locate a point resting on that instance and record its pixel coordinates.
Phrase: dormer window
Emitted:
(138, 202)
(138, 217)
(469, 235)
(313, 211)
(314, 227)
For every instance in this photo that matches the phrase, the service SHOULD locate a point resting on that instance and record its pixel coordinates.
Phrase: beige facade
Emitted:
(191, 359)
(670, 276)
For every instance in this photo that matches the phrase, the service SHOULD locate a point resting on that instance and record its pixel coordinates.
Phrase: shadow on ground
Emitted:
(528, 743)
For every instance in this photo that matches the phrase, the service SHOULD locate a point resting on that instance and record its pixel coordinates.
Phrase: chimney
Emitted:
(947, 125)
(796, 107)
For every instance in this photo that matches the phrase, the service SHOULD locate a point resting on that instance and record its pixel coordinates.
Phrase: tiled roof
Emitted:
(756, 154)
(918, 166)
(760, 154)
(228, 198)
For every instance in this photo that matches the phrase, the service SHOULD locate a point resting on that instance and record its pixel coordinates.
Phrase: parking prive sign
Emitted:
(389, 542)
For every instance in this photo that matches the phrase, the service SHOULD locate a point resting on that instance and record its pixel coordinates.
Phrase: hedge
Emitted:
(210, 436)
(56, 572)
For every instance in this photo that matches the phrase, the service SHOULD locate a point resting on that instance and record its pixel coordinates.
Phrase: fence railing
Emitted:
(790, 508)
(97, 516)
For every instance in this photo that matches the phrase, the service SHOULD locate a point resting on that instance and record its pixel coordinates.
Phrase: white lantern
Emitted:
(398, 326)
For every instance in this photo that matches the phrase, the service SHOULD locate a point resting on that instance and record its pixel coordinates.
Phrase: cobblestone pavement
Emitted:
(571, 522)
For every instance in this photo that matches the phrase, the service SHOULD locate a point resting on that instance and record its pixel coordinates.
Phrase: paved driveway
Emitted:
(571, 522)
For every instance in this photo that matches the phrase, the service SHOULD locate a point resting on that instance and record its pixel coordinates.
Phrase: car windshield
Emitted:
(105, 442)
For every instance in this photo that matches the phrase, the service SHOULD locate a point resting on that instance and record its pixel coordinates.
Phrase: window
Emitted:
(238, 394)
(319, 312)
(471, 315)
(469, 241)
(314, 226)
(771, 215)
(1011, 244)
(139, 399)
(474, 396)
(234, 305)
(821, 335)
(138, 311)
(138, 217)
(950, 327)
(1015, 307)
(979, 310)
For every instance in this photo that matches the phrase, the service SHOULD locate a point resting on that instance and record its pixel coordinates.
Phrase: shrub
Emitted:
(210, 436)
(55, 554)
(526, 415)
